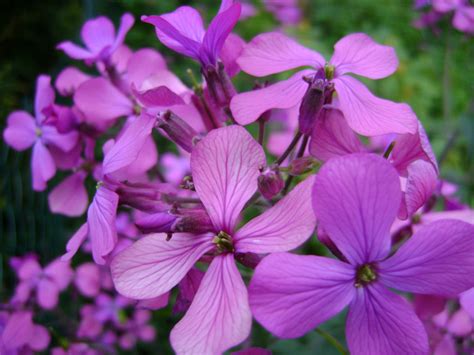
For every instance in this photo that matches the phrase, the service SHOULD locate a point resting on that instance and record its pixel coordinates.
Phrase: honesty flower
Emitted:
(45, 283)
(225, 167)
(24, 131)
(100, 39)
(463, 19)
(183, 31)
(356, 199)
(357, 53)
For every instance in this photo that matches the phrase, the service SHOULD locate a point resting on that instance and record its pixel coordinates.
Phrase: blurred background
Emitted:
(436, 77)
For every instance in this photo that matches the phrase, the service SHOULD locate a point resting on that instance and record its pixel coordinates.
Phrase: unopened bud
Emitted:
(270, 183)
(178, 130)
(219, 84)
(160, 222)
(312, 103)
(193, 220)
(301, 166)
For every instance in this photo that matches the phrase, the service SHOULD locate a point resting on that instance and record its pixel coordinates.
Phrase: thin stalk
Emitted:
(261, 131)
(288, 150)
(300, 153)
(333, 341)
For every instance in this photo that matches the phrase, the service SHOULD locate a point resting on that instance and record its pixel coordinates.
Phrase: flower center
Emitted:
(223, 242)
(365, 275)
(38, 132)
(329, 71)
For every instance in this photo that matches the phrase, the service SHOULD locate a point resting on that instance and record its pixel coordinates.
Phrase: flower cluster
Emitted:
(216, 220)
(462, 12)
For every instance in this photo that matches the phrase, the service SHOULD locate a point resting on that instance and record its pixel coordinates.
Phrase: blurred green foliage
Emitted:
(436, 77)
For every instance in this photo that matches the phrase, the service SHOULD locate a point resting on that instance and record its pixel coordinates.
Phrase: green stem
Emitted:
(333, 341)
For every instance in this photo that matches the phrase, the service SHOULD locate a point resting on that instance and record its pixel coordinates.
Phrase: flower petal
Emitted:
(20, 133)
(152, 266)
(44, 96)
(47, 294)
(356, 198)
(75, 242)
(437, 260)
(369, 115)
(125, 151)
(40, 339)
(181, 30)
(219, 317)
(101, 221)
(126, 23)
(292, 294)
(69, 80)
(143, 64)
(18, 330)
(100, 101)
(332, 136)
(381, 322)
(359, 54)
(422, 181)
(225, 167)
(70, 197)
(283, 227)
(42, 166)
(74, 51)
(98, 33)
(273, 52)
(248, 106)
(217, 32)
(467, 301)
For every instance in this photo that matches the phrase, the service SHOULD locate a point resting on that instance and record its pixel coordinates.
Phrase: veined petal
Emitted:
(359, 54)
(369, 115)
(181, 30)
(283, 227)
(20, 133)
(100, 101)
(217, 32)
(101, 221)
(381, 322)
(70, 197)
(356, 199)
(42, 166)
(152, 266)
(333, 137)
(273, 52)
(219, 317)
(421, 183)
(225, 167)
(248, 106)
(98, 33)
(125, 151)
(437, 260)
(292, 294)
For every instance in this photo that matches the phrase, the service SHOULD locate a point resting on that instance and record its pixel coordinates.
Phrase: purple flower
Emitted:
(357, 53)
(46, 283)
(20, 335)
(24, 131)
(100, 39)
(183, 31)
(225, 167)
(356, 199)
(287, 12)
(463, 19)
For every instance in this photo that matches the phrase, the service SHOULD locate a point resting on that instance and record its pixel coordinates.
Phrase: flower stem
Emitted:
(300, 153)
(333, 341)
(261, 131)
(288, 150)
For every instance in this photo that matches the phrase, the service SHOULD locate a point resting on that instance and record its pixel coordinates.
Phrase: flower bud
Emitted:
(219, 84)
(312, 103)
(178, 130)
(270, 183)
(160, 222)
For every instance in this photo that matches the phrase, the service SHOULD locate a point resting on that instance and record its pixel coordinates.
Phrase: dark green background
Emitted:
(436, 77)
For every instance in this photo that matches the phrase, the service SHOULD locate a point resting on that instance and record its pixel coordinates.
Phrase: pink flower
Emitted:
(24, 131)
(357, 53)
(463, 19)
(225, 167)
(19, 334)
(356, 199)
(100, 39)
(46, 283)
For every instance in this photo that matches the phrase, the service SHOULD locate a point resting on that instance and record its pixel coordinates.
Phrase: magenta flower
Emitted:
(24, 131)
(357, 53)
(100, 39)
(356, 199)
(183, 31)
(225, 167)
(45, 283)
(463, 19)
(19, 335)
